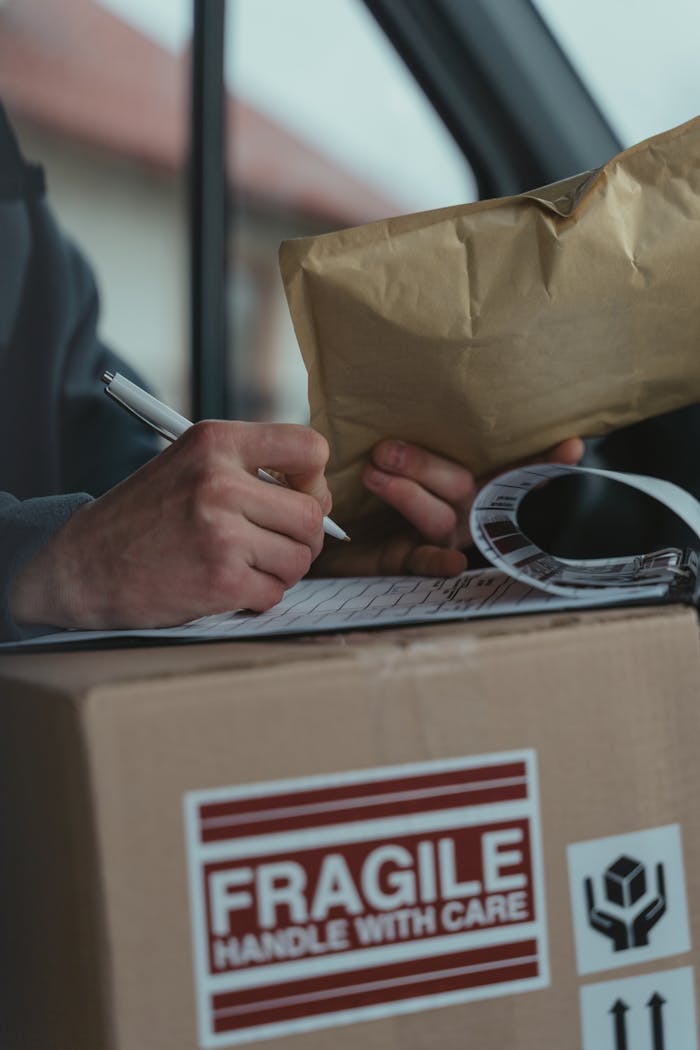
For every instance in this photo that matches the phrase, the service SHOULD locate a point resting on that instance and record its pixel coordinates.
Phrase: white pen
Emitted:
(170, 425)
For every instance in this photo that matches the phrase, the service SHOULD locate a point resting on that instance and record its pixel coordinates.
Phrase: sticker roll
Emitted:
(498, 536)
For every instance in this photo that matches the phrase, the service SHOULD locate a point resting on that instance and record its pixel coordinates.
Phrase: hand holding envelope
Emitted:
(433, 496)
(487, 332)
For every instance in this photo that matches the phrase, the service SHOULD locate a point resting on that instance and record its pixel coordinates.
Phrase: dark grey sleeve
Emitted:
(81, 441)
(100, 444)
(25, 526)
(61, 438)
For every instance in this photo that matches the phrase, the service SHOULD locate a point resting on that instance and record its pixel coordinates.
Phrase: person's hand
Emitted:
(434, 496)
(194, 532)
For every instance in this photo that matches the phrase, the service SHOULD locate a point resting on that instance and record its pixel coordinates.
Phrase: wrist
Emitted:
(45, 590)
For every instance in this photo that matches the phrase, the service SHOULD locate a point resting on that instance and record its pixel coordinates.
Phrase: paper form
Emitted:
(342, 604)
(533, 581)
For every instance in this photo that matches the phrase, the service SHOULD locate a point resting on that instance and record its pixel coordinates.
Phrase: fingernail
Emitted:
(393, 454)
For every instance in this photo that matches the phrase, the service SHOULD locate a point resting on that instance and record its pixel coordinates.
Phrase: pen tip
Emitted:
(346, 539)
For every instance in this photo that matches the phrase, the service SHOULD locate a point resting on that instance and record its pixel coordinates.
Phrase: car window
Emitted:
(327, 128)
(638, 59)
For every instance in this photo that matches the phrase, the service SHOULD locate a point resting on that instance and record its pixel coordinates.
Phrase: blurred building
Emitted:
(105, 109)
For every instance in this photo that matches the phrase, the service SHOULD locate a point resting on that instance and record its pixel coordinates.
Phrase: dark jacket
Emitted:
(61, 440)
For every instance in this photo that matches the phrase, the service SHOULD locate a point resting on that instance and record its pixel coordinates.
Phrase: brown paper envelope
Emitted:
(490, 331)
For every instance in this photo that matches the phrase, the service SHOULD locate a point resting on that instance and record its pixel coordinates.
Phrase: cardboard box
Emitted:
(478, 835)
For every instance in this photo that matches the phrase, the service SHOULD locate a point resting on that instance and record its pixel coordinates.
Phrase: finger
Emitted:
(434, 519)
(279, 556)
(285, 511)
(313, 484)
(287, 447)
(298, 452)
(569, 451)
(443, 477)
(397, 556)
(238, 584)
(436, 561)
(258, 591)
(388, 557)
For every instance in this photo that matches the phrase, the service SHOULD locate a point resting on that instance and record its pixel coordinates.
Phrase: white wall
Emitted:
(131, 224)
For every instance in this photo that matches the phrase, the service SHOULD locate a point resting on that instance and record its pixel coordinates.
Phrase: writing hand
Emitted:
(193, 532)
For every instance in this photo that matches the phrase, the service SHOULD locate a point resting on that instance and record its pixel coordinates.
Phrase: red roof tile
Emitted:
(77, 69)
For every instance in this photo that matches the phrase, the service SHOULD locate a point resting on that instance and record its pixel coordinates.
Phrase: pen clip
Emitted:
(147, 422)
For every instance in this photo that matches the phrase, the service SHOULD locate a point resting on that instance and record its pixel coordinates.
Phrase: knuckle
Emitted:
(443, 524)
(464, 489)
(206, 491)
(207, 480)
(321, 448)
(314, 445)
(230, 581)
(302, 561)
(275, 593)
(288, 568)
(202, 437)
(326, 502)
(248, 438)
(215, 537)
(311, 516)
(270, 593)
(211, 438)
(314, 551)
(214, 580)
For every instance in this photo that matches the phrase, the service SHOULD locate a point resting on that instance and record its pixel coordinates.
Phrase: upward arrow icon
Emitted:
(656, 1004)
(618, 1010)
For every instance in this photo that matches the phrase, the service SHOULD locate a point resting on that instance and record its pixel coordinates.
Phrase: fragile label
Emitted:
(331, 899)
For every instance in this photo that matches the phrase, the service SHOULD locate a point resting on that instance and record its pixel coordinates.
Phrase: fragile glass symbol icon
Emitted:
(621, 920)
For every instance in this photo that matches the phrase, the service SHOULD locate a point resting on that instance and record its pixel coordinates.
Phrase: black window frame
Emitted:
(491, 69)
(208, 212)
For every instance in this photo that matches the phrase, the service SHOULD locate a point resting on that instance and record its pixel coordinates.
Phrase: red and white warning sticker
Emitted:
(330, 899)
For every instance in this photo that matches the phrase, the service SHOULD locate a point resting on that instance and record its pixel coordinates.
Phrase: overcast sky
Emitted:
(323, 69)
(639, 58)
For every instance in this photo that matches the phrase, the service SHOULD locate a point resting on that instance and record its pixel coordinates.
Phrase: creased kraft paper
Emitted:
(490, 331)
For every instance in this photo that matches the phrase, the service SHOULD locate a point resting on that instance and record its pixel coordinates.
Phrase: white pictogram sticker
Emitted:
(652, 1012)
(628, 898)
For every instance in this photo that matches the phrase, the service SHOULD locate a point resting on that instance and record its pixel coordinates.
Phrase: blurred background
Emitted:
(326, 128)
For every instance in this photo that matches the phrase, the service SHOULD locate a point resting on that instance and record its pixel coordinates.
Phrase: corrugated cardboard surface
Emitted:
(99, 749)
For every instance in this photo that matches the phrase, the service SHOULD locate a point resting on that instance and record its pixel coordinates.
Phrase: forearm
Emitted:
(193, 532)
(26, 526)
